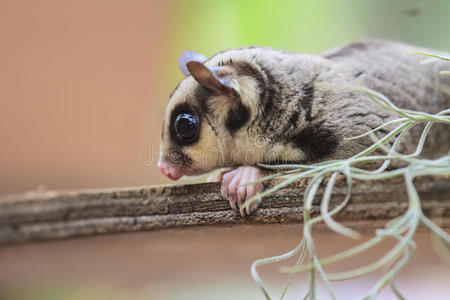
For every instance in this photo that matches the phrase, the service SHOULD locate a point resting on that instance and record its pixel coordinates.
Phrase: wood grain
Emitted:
(49, 215)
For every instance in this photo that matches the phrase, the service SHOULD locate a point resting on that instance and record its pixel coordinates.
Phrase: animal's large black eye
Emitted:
(186, 127)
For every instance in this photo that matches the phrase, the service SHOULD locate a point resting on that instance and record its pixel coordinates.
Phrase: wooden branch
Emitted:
(38, 216)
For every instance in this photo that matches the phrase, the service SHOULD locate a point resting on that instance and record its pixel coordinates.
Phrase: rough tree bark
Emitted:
(49, 215)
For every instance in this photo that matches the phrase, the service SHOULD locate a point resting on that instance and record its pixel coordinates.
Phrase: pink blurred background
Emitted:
(83, 92)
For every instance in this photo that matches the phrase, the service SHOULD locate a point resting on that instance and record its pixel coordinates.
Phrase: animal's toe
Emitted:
(226, 179)
(229, 187)
(241, 195)
(238, 187)
(253, 190)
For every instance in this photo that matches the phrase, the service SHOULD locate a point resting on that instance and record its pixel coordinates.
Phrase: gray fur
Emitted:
(295, 117)
(326, 117)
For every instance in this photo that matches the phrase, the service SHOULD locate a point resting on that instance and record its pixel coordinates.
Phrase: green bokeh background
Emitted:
(304, 25)
(209, 26)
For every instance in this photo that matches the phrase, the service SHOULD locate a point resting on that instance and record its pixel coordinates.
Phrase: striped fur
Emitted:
(280, 114)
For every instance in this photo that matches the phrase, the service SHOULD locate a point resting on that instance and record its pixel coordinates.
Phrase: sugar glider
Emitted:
(256, 105)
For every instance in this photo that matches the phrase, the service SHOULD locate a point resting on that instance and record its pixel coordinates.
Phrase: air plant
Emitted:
(401, 228)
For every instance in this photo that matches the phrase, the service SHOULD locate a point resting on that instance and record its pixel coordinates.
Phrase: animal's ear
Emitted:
(215, 78)
(188, 56)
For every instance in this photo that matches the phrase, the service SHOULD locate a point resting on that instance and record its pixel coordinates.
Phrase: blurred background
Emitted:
(84, 84)
(83, 88)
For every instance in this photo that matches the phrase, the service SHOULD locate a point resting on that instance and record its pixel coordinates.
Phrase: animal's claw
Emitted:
(237, 191)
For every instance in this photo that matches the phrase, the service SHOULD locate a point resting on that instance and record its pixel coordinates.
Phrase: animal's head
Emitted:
(206, 113)
(211, 117)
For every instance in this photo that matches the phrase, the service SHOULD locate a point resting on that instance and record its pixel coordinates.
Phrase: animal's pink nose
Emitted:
(169, 170)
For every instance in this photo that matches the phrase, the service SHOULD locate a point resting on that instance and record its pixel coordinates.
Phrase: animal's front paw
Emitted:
(234, 188)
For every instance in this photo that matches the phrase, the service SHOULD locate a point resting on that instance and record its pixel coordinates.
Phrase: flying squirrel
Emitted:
(255, 105)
